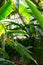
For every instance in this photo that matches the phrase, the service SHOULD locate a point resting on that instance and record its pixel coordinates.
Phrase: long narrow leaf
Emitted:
(36, 12)
(17, 24)
(22, 50)
(4, 60)
(4, 53)
(16, 32)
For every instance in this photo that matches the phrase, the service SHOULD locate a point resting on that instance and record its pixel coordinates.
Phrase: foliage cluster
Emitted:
(31, 27)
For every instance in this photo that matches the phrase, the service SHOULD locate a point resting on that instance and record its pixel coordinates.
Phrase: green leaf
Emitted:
(4, 53)
(17, 24)
(16, 32)
(5, 10)
(32, 28)
(2, 28)
(24, 11)
(12, 4)
(36, 12)
(4, 60)
(22, 51)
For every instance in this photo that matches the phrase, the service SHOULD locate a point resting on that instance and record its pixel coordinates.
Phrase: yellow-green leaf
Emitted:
(2, 29)
(24, 11)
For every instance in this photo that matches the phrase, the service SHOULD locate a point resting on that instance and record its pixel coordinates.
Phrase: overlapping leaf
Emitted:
(16, 32)
(4, 60)
(5, 10)
(22, 51)
(4, 53)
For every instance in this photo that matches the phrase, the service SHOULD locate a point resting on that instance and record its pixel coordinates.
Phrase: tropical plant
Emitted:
(27, 29)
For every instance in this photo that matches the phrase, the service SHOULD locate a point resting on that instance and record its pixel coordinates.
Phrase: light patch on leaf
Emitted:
(2, 29)
(24, 11)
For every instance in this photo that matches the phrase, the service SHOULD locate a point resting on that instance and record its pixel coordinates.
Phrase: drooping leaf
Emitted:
(22, 51)
(39, 31)
(17, 24)
(4, 60)
(4, 53)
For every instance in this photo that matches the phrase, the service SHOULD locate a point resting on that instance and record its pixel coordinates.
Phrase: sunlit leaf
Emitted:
(2, 29)
(24, 11)
(36, 12)
(5, 10)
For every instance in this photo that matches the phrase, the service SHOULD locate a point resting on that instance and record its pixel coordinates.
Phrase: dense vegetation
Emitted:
(21, 43)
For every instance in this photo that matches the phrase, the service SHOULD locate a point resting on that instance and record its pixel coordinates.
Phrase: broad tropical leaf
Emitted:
(5, 10)
(24, 11)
